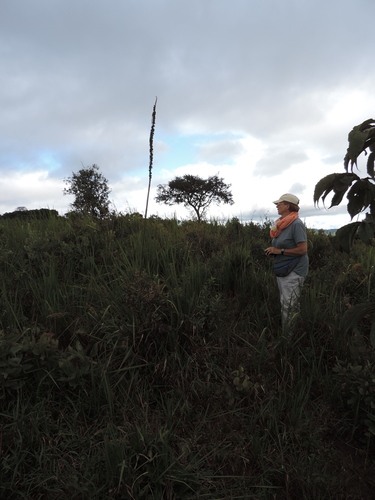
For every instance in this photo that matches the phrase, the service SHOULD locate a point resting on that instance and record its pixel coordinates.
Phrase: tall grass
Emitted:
(153, 366)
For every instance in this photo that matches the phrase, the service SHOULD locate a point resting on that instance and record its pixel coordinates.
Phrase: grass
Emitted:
(144, 360)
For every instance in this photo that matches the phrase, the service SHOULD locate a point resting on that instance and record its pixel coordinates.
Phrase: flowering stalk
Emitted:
(152, 131)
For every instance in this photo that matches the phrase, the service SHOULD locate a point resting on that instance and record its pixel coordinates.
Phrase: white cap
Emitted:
(289, 198)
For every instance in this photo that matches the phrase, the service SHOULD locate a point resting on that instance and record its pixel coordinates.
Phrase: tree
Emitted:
(195, 193)
(37, 214)
(91, 191)
(361, 194)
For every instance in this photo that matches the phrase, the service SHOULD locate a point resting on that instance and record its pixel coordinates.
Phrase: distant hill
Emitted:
(327, 231)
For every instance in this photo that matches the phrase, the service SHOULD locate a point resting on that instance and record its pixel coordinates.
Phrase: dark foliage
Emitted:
(24, 214)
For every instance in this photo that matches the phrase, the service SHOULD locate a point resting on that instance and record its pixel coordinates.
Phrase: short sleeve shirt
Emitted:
(288, 238)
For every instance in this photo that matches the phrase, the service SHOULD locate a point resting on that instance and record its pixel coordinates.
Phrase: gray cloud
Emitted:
(297, 188)
(278, 159)
(79, 80)
(220, 151)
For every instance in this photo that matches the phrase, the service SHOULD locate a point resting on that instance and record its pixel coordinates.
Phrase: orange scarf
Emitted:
(282, 223)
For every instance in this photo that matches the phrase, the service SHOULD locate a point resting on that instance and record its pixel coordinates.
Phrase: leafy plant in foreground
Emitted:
(361, 194)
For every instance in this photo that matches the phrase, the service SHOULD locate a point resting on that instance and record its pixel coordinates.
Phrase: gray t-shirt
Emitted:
(288, 238)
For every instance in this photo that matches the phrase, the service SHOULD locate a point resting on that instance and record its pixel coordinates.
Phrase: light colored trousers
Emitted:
(290, 290)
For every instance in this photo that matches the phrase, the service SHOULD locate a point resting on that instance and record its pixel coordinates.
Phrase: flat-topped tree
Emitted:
(195, 193)
(360, 191)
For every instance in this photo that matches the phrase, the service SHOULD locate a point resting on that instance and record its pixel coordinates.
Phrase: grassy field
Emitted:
(145, 360)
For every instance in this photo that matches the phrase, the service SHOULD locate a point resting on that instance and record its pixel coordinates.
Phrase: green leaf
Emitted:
(16, 348)
(356, 368)
(325, 185)
(344, 237)
(338, 183)
(357, 197)
(370, 164)
(355, 314)
(14, 361)
(341, 184)
(357, 142)
(370, 143)
(366, 230)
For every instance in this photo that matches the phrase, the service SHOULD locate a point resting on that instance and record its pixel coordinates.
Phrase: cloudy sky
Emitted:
(261, 92)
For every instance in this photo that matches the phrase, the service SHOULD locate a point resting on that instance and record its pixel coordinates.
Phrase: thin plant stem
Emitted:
(152, 131)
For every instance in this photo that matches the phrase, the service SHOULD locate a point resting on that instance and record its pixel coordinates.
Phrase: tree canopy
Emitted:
(91, 191)
(195, 193)
(360, 191)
